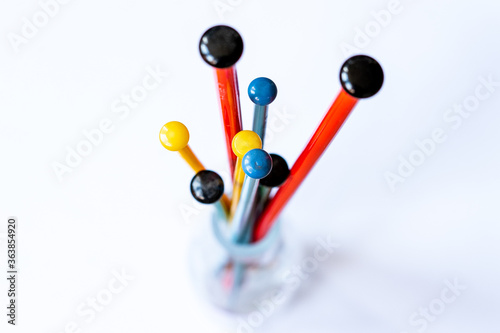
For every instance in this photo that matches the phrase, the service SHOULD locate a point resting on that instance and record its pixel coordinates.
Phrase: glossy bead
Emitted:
(245, 141)
(279, 173)
(257, 163)
(221, 46)
(207, 187)
(262, 91)
(361, 76)
(174, 136)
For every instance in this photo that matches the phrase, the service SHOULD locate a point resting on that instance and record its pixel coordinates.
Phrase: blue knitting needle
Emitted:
(256, 164)
(262, 91)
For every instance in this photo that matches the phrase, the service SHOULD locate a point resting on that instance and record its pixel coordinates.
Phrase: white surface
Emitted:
(120, 207)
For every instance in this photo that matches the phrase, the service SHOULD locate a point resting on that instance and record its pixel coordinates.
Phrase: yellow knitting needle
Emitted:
(174, 136)
(242, 143)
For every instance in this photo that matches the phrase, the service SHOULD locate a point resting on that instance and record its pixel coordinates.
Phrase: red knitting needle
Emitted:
(361, 77)
(221, 47)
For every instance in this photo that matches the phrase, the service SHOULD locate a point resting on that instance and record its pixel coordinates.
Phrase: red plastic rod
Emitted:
(332, 122)
(228, 91)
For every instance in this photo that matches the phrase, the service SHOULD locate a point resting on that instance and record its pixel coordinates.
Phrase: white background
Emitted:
(120, 208)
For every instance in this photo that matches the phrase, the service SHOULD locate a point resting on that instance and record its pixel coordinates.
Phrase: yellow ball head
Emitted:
(174, 136)
(244, 141)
